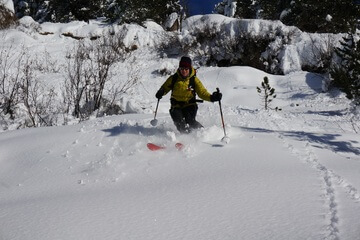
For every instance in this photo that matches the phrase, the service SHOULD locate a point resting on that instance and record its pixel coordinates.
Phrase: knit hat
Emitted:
(185, 62)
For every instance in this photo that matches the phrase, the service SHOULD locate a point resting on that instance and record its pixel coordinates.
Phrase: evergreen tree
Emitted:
(37, 9)
(255, 9)
(228, 8)
(272, 9)
(69, 10)
(244, 9)
(137, 11)
(60, 11)
(333, 16)
(268, 9)
(267, 93)
(220, 8)
(347, 75)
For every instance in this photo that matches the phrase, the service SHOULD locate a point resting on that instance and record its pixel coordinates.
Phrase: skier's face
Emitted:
(184, 71)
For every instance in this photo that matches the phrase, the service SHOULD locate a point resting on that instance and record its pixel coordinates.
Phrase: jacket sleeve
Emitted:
(201, 90)
(167, 84)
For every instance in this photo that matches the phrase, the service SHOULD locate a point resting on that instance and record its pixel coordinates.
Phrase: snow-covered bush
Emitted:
(267, 45)
(217, 40)
(25, 100)
(90, 68)
(37, 100)
(10, 65)
(7, 18)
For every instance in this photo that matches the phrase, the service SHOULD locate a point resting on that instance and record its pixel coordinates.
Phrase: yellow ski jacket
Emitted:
(181, 92)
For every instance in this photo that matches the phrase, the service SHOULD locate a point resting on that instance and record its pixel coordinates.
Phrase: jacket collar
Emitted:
(192, 73)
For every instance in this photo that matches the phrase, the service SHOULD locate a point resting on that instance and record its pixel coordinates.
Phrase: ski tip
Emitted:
(154, 147)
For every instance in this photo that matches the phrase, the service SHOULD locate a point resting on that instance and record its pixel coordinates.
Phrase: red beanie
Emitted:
(185, 62)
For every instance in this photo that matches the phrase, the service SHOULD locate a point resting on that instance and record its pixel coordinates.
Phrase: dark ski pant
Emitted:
(184, 118)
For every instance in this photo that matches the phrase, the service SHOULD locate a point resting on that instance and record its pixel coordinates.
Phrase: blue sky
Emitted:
(202, 6)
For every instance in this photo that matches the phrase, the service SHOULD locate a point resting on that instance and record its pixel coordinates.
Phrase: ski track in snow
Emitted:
(331, 182)
(115, 155)
(328, 178)
(89, 142)
(328, 195)
(285, 125)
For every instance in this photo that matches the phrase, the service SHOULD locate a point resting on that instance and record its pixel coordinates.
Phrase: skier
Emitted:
(184, 86)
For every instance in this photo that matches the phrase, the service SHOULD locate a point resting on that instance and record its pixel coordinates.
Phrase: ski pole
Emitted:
(155, 121)
(225, 138)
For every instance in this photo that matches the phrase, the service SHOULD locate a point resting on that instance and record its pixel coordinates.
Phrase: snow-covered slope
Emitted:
(292, 174)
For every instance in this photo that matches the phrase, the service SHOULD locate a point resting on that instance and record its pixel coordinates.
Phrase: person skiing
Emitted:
(184, 85)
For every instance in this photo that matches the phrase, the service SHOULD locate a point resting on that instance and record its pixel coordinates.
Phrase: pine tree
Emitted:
(267, 93)
(347, 75)
(69, 10)
(244, 9)
(255, 9)
(334, 16)
(37, 9)
(137, 11)
(268, 9)
(330, 16)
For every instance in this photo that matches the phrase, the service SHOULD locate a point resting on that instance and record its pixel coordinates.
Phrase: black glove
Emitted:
(159, 93)
(216, 96)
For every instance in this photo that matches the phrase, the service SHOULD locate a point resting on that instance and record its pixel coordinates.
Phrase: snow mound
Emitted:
(293, 48)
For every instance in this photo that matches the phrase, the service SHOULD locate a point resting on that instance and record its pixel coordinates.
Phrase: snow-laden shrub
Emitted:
(267, 45)
(26, 100)
(91, 70)
(7, 18)
(227, 41)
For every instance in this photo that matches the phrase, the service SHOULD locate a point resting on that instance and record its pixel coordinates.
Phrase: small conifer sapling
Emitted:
(267, 93)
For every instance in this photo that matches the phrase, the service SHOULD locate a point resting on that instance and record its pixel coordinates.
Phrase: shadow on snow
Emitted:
(314, 82)
(327, 113)
(324, 139)
(134, 129)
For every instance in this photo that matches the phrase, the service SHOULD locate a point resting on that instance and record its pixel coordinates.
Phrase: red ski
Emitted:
(154, 147)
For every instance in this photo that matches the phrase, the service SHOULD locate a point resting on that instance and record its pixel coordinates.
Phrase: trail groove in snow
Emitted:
(329, 195)
(328, 177)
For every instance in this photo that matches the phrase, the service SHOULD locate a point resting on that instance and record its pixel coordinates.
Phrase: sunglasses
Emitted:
(184, 69)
